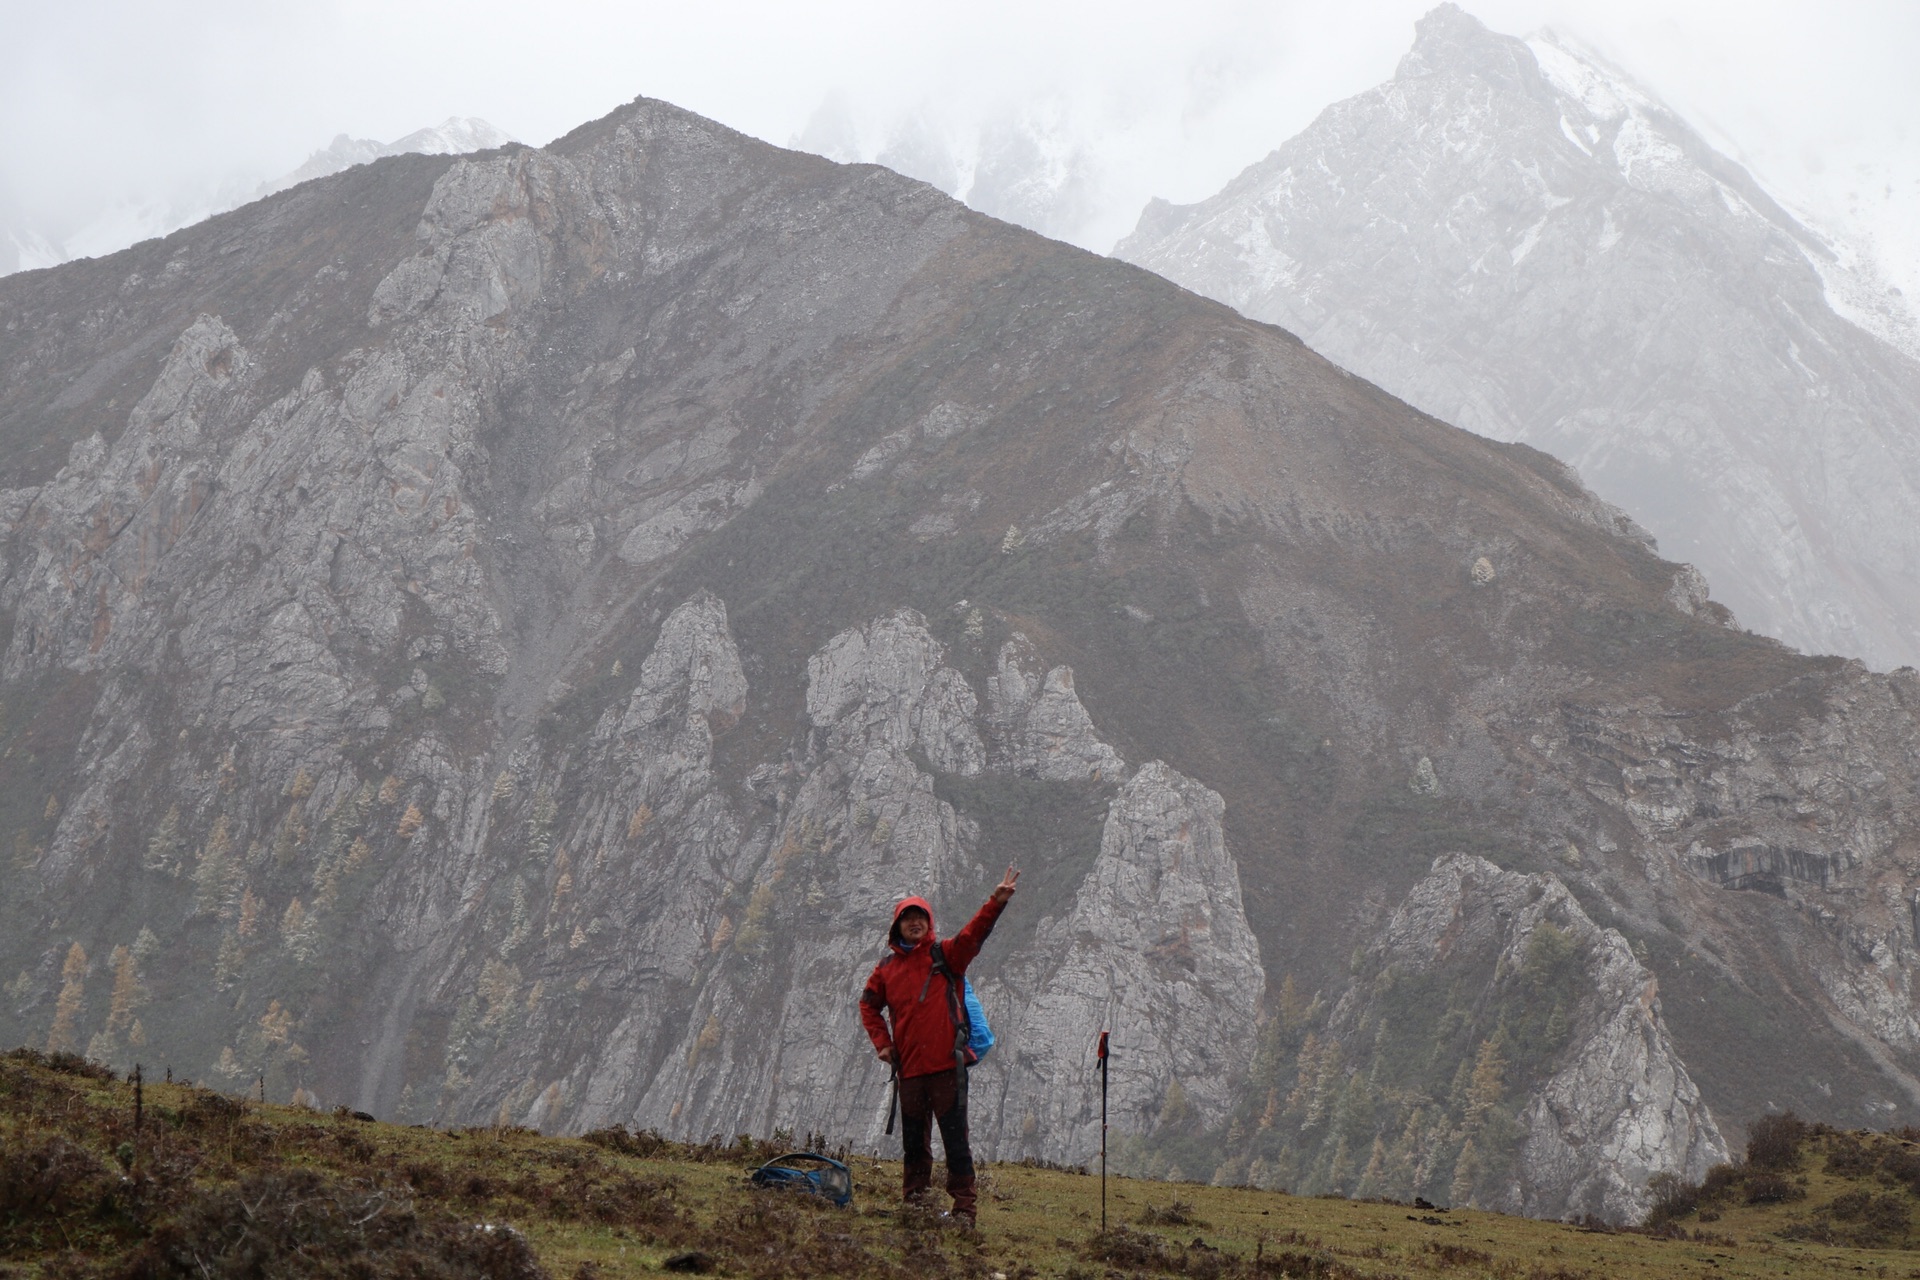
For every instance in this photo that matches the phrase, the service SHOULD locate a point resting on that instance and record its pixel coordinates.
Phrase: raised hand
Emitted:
(1004, 890)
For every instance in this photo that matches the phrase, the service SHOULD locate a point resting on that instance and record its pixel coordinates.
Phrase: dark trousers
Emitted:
(940, 1098)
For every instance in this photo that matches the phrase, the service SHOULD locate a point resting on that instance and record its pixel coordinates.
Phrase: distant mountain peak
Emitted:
(456, 135)
(129, 222)
(1518, 238)
(1449, 37)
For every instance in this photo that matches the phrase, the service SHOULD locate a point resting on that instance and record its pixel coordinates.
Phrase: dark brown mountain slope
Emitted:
(506, 629)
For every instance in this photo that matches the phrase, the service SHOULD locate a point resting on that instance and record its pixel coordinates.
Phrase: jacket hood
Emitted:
(903, 906)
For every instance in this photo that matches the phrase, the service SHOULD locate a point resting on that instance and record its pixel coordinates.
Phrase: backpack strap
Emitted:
(956, 1009)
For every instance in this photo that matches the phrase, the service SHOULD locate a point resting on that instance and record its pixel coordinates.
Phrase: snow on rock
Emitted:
(1516, 238)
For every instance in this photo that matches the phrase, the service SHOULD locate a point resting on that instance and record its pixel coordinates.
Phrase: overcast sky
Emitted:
(116, 102)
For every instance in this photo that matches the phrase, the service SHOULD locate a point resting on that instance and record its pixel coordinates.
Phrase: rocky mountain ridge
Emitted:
(1514, 237)
(492, 637)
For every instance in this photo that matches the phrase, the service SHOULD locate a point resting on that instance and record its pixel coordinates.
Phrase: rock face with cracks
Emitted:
(1156, 937)
(492, 638)
(1613, 1105)
(854, 822)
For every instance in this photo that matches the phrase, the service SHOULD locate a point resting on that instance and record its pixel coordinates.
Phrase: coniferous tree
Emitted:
(1466, 1172)
(65, 1032)
(216, 877)
(1488, 1083)
(128, 994)
(298, 932)
(164, 846)
(251, 908)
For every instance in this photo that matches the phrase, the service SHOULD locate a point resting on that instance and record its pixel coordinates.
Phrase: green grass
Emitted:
(213, 1186)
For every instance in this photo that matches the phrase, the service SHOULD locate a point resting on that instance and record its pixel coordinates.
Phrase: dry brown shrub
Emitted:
(46, 1180)
(1179, 1213)
(771, 1237)
(299, 1222)
(1770, 1188)
(351, 1147)
(1859, 1218)
(60, 1062)
(1902, 1164)
(1848, 1157)
(1719, 1182)
(1308, 1266)
(1123, 1247)
(1449, 1254)
(1774, 1142)
(426, 1179)
(641, 1145)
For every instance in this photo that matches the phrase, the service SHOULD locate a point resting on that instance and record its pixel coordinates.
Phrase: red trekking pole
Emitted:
(1103, 1132)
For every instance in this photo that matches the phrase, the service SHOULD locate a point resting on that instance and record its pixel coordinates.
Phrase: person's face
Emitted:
(913, 926)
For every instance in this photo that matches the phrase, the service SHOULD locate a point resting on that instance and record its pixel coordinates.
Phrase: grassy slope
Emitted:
(394, 1200)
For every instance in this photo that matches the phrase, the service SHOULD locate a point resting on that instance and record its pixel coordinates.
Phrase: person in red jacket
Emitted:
(926, 1044)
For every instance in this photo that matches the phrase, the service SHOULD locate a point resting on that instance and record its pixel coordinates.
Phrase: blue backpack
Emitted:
(979, 1034)
(831, 1181)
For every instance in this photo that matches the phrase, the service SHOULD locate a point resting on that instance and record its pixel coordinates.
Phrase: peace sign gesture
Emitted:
(1004, 890)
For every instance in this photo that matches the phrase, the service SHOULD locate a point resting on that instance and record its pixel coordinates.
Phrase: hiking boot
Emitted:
(966, 1199)
(959, 1220)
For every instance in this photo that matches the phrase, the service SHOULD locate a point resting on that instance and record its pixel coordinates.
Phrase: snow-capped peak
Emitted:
(1581, 76)
(454, 136)
(1651, 150)
(1518, 238)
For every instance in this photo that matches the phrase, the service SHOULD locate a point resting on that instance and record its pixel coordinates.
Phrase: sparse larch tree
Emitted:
(250, 910)
(164, 846)
(540, 824)
(1466, 1173)
(216, 878)
(1489, 1083)
(298, 932)
(65, 1032)
(226, 965)
(127, 993)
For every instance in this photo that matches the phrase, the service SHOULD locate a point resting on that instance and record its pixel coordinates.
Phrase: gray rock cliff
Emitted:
(1616, 1105)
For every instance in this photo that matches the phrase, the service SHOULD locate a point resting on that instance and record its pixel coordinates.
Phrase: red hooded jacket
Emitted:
(905, 986)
